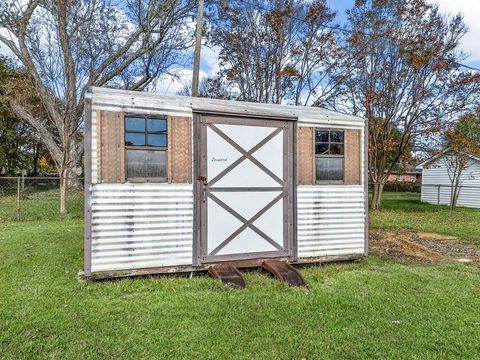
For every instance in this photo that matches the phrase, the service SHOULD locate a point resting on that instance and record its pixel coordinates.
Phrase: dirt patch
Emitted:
(421, 248)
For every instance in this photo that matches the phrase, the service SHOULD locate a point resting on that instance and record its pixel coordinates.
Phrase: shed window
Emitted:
(329, 155)
(146, 148)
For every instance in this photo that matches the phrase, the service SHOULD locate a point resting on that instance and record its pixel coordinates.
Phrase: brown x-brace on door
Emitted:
(244, 188)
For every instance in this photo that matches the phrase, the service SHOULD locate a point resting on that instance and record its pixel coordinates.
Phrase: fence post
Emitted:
(18, 200)
(438, 194)
(24, 173)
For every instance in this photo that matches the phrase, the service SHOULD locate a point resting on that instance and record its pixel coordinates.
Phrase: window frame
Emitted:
(315, 156)
(146, 147)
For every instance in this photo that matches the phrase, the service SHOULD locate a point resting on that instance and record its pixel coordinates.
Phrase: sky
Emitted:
(471, 12)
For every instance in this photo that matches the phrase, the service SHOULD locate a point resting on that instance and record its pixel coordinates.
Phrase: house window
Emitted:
(146, 148)
(329, 156)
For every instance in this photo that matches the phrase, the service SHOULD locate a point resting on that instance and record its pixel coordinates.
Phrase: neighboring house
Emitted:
(175, 184)
(408, 176)
(437, 186)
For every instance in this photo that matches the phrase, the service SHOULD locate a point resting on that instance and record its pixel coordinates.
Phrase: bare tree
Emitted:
(402, 60)
(67, 46)
(276, 51)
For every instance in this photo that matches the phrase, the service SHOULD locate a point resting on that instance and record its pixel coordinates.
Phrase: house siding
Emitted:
(436, 185)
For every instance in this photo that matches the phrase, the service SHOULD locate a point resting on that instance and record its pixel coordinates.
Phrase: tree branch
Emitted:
(41, 129)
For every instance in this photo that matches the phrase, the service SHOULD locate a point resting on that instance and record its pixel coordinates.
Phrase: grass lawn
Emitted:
(405, 211)
(368, 309)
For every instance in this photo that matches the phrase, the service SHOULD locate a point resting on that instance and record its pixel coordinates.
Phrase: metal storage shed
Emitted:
(175, 184)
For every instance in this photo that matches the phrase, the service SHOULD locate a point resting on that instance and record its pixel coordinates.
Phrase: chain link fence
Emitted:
(440, 194)
(38, 198)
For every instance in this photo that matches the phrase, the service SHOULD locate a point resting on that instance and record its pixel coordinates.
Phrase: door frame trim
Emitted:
(200, 120)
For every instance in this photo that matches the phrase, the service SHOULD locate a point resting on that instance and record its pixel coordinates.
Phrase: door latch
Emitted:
(203, 179)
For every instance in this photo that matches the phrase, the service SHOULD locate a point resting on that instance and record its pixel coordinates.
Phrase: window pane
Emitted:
(136, 166)
(146, 163)
(321, 165)
(329, 168)
(134, 124)
(336, 149)
(321, 149)
(336, 136)
(136, 139)
(321, 136)
(156, 125)
(335, 170)
(156, 164)
(157, 140)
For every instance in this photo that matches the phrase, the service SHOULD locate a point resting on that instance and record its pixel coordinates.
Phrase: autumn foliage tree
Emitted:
(275, 51)
(401, 61)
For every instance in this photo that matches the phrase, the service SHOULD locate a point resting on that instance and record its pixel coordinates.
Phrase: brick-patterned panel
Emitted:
(353, 157)
(306, 156)
(98, 133)
(111, 147)
(180, 150)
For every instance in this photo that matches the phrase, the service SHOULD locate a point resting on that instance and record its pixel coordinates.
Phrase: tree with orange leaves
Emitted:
(275, 51)
(401, 72)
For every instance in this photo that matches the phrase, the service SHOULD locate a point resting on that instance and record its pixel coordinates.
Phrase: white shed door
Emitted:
(244, 188)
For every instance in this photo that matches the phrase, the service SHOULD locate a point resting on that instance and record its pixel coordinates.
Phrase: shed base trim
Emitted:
(114, 274)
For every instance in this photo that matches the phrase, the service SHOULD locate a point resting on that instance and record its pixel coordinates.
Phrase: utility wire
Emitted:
(347, 31)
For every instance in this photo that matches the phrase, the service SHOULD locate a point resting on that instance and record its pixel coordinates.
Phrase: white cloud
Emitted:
(471, 12)
(4, 50)
(210, 62)
(172, 84)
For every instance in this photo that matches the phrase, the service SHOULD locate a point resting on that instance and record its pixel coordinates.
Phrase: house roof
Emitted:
(185, 106)
(435, 157)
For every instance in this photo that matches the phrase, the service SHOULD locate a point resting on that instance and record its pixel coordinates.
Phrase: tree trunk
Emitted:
(454, 193)
(35, 159)
(74, 175)
(377, 195)
(75, 170)
(63, 189)
(452, 196)
(64, 172)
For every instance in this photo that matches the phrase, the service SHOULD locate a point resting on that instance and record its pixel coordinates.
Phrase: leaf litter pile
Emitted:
(421, 247)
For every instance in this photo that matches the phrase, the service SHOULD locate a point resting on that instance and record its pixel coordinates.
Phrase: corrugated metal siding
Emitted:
(437, 175)
(141, 225)
(330, 220)
(339, 121)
